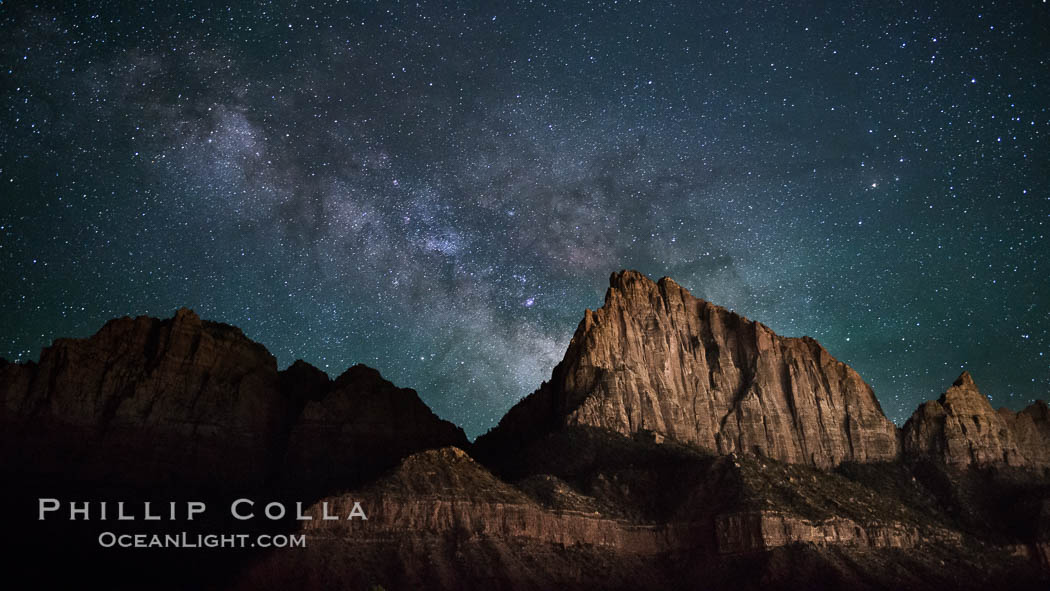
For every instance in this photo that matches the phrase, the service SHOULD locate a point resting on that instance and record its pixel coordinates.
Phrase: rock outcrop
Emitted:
(962, 430)
(656, 359)
(146, 400)
(361, 425)
(185, 402)
(1031, 432)
(442, 521)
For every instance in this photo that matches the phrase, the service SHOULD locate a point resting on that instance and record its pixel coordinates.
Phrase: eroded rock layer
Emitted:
(441, 503)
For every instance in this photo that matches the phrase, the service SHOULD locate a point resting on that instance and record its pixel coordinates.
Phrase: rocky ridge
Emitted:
(442, 502)
(185, 402)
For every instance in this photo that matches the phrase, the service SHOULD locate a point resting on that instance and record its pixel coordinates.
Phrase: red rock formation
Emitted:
(441, 521)
(147, 400)
(186, 402)
(654, 358)
(961, 429)
(444, 490)
(1031, 431)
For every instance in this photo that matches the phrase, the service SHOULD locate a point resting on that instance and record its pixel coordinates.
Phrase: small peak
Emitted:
(627, 282)
(359, 374)
(965, 392)
(442, 458)
(300, 365)
(304, 381)
(1037, 410)
(303, 370)
(622, 278)
(187, 315)
(623, 282)
(964, 379)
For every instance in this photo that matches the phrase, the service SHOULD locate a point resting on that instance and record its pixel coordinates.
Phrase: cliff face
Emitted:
(763, 530)
(654, 358)
(186, 402)
(961, 429)
(1031, 431)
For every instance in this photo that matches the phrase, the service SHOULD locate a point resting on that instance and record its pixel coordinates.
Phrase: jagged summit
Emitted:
(656, 358)
(962, 429)
(964, 379)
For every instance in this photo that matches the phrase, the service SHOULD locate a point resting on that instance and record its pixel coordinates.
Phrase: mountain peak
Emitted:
(186, 314)
(198, 402)
(655, 358)
(625, 275)
(964, 397)
(964, 380)
(962, 429)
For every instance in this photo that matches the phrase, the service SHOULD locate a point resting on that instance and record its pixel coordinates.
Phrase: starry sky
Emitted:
(439, 190)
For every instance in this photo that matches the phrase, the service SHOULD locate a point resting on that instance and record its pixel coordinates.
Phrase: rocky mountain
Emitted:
(961, 429)
(188, 403)
(656, 359)
(677, 445)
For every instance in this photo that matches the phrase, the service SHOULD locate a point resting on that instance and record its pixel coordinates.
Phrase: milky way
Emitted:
(439, 192)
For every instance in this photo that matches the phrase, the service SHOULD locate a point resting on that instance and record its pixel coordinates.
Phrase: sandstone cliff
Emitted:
(961, 429)
(185, 402)
(1031, 431)
(656, 359)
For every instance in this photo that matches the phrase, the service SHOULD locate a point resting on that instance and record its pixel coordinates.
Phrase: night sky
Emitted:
(439, 192)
